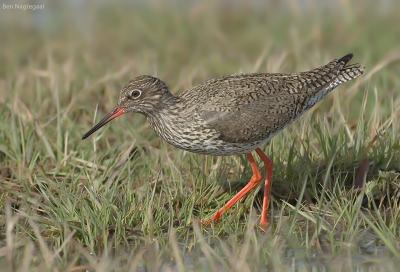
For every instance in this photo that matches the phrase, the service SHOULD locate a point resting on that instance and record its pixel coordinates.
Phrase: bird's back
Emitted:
(251, 107)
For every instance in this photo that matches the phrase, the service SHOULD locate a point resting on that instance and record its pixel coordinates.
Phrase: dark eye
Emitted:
(135, 94)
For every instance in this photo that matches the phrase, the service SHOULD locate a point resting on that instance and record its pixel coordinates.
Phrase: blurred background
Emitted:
(62, 64)
(88, 49)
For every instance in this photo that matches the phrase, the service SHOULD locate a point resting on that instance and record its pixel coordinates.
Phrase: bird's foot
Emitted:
(212, 219)
(263, 226)
(206, 222)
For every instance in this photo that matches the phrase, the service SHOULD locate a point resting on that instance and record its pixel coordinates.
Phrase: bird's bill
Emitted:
(117, 111)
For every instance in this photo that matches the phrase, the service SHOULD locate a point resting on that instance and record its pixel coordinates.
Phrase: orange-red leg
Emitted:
(267, 185)
(254, 181)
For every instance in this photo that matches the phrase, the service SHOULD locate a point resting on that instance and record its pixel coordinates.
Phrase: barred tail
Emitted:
(342, 72)
(350, 72)
(347, 72)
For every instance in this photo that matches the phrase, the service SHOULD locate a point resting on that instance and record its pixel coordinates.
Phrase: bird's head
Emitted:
(144, 94)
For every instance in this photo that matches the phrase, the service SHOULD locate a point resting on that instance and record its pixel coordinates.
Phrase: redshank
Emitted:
(231, 115)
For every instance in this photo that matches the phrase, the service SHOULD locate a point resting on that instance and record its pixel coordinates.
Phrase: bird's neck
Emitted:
(167, 104)
(168, 118)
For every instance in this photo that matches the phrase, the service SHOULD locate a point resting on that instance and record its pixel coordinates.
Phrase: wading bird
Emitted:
(231, 115)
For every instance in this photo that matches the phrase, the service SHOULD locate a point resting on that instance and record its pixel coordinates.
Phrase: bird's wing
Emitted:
(247, 108)
(253, 121)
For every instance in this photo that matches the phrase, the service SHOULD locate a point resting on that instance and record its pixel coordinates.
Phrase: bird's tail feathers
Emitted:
(347, 73)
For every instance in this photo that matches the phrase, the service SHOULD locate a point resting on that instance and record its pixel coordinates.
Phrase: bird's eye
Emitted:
(135, 94)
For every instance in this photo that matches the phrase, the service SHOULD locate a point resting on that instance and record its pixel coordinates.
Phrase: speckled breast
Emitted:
(194, 136)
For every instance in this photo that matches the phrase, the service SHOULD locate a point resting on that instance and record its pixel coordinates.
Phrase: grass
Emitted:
(124, 200)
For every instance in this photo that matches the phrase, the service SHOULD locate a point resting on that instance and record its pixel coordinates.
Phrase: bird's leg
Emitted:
(255, 179)
(267, 185)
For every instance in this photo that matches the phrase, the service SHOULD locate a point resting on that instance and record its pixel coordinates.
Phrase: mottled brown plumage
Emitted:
(233, 114)
(250, 108)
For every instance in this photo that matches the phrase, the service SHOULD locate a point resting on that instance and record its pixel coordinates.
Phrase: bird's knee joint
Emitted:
(267, 162)
(256, 177)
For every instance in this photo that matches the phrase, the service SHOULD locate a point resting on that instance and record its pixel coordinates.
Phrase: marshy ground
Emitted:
(124, 200)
